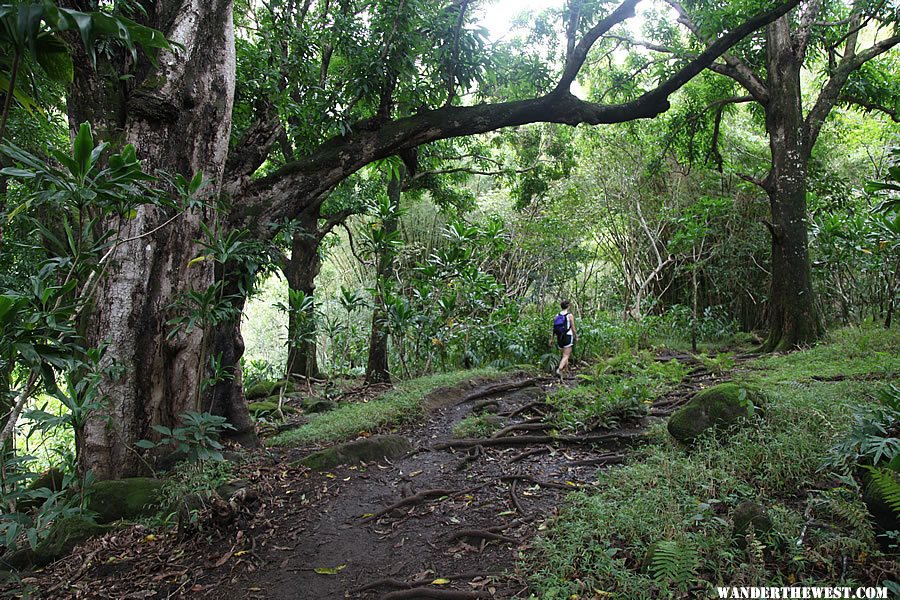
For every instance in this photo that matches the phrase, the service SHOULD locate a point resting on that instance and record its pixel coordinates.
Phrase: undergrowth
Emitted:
(400, 405)
(682, 501)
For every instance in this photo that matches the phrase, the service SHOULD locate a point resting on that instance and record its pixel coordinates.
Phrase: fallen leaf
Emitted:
(329, 570)
(440, 581)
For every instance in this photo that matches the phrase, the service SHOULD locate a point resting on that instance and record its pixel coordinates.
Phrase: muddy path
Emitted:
(450, 519)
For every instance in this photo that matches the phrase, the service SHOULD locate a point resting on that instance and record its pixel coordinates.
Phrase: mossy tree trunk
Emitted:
(178, 116)
(792, 309)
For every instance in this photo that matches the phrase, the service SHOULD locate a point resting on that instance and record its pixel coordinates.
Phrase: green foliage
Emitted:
(684, 498)
(400, 405)
(32, 525)
(674, 563)
(599, 406)
(187, 481)
(197, 438)
(476, 426)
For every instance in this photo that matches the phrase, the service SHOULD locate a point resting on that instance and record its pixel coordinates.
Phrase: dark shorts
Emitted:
(564, 341)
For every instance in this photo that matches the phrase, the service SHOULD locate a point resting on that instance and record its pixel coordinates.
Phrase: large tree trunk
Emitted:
(178, 116)
(377, 368)
(793, 321)
(301, 271)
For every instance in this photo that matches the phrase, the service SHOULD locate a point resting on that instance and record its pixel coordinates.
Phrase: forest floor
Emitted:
(448, 520)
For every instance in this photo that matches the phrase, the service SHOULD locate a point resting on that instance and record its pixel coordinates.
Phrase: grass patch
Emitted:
(850, 352)
(682, 501)
(400, 405)
(476, 426)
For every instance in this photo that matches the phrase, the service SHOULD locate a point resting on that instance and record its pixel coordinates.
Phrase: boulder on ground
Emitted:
(127, 499)
(722, 405)
(377, 447)
(317, 405)
(750, 516)
(64, 535)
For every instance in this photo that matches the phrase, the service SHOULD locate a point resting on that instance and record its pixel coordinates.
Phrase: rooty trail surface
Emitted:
(449, 519)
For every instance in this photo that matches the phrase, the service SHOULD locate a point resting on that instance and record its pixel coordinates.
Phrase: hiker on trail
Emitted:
(564, 330)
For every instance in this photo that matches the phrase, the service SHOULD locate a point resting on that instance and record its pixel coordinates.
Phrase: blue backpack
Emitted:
(560, 325)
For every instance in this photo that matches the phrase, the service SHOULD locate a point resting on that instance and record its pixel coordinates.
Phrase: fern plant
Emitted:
(886, 480)
(674, 563)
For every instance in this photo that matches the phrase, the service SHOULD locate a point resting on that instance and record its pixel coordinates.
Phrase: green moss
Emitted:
(719, 406)
(125, 499)
(260, 390)
(403, 404)
(64, 535)
(364, 450)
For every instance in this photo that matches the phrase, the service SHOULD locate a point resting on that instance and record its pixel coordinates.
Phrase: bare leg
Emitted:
(564, 362)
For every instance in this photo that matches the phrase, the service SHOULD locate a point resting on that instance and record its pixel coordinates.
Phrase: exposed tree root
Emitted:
(606, 459)
(538, 404)
(514, 497)
(497, 388)
(545, 484)
(472, 455)
(483, 404)
(425, 592)
(414, 499)
(397, 583)
(527, 453)
(541, 439)
(484, 534)
(531, 425)
(420, 498)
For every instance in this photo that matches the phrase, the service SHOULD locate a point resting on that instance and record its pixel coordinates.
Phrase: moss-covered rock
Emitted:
(260, 390)
(377, 447)
(125, 498)
(719, 406)
(63, 536)
(750, 516)
(317, 405)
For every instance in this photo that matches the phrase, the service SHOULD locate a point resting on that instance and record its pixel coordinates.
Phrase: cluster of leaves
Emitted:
(196, 439)
(29, 510)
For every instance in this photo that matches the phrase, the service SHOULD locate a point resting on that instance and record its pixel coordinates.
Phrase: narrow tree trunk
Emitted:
(377, 370)
(301, 272)
(793, 321)
(694, 310)
(178, 116)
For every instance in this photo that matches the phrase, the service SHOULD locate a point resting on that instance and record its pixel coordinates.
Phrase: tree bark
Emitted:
(377, 368)
(793, 321)
(301, 271)
(178, 116)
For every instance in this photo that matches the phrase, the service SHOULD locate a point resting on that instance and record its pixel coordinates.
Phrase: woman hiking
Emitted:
(564, 330)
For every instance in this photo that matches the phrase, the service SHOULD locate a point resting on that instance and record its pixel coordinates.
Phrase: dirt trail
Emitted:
(446, 521)
(462, 514)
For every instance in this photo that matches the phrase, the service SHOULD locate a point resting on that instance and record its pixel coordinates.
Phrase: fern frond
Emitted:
(674, 563)
(887, 483)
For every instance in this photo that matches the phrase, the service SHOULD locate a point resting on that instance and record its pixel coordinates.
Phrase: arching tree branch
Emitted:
(302, 184)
